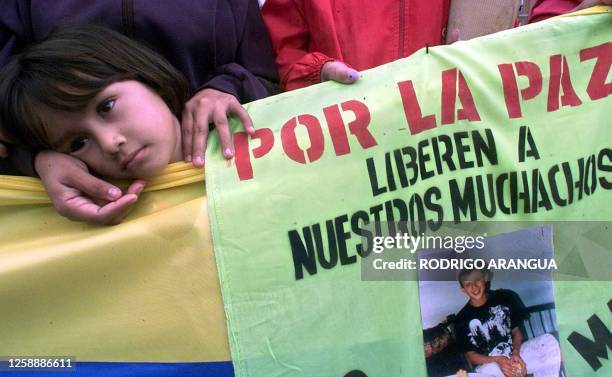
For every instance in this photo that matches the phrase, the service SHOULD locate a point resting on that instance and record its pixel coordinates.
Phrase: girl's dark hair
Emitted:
(69, 68)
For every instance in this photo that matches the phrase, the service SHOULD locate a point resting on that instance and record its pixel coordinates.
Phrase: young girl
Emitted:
(221, 46)
(99, 96)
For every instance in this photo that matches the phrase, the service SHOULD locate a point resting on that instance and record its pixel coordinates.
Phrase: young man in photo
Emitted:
(487, 330)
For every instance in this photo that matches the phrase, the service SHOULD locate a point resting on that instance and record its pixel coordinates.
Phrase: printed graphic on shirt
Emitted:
(493, 333)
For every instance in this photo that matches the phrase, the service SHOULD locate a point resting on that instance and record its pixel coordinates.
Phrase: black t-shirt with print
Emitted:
(487, 329)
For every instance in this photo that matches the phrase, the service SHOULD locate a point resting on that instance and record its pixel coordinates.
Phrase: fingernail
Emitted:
(188, 158)
(114, 193)
(353, 75)
(227, 152)
(199, 161)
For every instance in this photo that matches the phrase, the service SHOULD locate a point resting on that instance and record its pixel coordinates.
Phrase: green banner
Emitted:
(513, 126)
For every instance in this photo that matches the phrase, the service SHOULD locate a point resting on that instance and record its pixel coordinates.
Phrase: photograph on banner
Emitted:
(497, 316)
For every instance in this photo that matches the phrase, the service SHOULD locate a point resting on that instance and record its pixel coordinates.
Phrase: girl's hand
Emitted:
(339, 72)
(206, 107)
(78, 195)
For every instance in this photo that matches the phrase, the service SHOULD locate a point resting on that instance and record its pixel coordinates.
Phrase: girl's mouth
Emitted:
(133, 159)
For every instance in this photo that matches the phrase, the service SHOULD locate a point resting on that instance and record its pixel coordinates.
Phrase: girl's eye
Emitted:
(105, 106)
(78, 144)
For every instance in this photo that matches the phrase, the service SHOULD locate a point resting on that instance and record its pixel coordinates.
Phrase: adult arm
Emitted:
(290, 36)
(250, 77)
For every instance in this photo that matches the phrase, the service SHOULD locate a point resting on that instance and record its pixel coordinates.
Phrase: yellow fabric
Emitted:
(16, 190)
(144, 290)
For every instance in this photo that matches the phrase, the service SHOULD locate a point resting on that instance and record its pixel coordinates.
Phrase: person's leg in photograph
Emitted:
(542, 355)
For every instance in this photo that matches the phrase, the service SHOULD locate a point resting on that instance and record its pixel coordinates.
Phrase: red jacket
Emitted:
(306, 34)
(544, 9)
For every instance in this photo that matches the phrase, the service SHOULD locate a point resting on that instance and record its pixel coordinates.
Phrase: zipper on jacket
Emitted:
(402, 23)
(127, 13)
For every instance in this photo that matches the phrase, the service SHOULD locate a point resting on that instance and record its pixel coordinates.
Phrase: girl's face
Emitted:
(127, 131)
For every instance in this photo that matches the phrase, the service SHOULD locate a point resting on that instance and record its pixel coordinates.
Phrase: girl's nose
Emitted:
(111, 141)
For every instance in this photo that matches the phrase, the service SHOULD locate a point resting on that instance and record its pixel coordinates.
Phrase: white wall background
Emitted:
(449, 299)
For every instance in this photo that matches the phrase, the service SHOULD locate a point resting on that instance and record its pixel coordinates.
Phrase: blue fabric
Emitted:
(95, 369)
